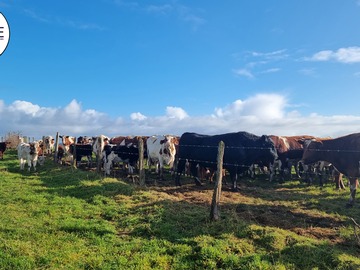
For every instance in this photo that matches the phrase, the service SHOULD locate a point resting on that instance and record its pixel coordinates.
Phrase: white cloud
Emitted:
(275, 55)
(243, 72)
(176, 112)
(342, 55)
(73, 108)
(271, 70)
(261, 106)
(258, 114)
(137, 116)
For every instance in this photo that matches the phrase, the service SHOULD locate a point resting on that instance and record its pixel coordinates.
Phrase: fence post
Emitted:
(74, 154)
(98, 153)
(214, 212)
(141, 162)
(56, 147)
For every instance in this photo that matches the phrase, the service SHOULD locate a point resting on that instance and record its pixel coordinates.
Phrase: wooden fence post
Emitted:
(74, 154)
(56, 147)
(214, 212)
(98, 154)
(141, 162)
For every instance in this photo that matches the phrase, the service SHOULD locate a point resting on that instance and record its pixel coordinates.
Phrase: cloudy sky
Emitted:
(127, 67)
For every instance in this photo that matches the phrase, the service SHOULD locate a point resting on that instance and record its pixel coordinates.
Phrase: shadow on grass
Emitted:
(184, 221)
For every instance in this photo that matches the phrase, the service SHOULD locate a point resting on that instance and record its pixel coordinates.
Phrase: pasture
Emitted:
(65, 218)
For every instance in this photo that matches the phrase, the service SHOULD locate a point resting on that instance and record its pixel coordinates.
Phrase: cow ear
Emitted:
(265, 138)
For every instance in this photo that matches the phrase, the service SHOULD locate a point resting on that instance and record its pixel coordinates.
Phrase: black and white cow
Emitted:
(3, 146)
(242, 149)
(161, 151)
(128, 153)
(120, 153)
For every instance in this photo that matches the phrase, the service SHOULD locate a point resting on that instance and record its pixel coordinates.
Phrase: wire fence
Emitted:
(244, 148)
(212, 161)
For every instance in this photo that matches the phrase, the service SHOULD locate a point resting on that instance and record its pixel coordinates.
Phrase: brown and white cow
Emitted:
(161, 151)
(290, 150)
(343, 152)
(67, 141)
(28, 153)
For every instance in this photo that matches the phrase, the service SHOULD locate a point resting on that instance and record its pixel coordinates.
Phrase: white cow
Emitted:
(161, 151)
(49, 144)
(28, 152)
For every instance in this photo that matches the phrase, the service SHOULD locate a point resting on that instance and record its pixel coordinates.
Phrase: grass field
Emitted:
(66, 218)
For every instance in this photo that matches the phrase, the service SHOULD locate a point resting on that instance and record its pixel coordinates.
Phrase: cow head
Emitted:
(311, 147)
(168, 149)
(34, 148)
(267, 143)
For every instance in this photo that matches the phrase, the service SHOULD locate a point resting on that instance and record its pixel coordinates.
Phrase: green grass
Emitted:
(65, 218)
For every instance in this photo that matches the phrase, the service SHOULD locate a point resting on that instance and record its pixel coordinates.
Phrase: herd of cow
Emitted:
(196, 154)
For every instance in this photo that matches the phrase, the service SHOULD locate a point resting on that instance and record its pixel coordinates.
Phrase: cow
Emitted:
(80, 151)
(84, 140)
(126, 150)
(120, 153)
(3, 146)
(161, 151)
(67, 141)
(289, 150)
(49, 144)
(124, 140)
(28, 152)
(242, 149)
(60, 154)
(342, 152)
(99, 143)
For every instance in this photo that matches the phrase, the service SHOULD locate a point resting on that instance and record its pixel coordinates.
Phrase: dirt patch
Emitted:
(252, 209)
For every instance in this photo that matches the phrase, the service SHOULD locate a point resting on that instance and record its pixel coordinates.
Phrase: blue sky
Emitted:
(127, 67)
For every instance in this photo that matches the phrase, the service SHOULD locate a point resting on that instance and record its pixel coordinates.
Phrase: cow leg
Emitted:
(272, 168)
(194, 173)
(234, 177)
(353, 186)
(22, 163)
(130, 169)
(173, 167)
(341, 182)
(182, 165)
(89, 161)
(161, 175)
(107, 166)
(252, 171)
(177, 179)
(34, 164)
(29, 164)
